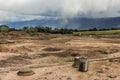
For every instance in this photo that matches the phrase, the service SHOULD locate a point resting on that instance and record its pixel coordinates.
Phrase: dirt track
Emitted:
(97, 71)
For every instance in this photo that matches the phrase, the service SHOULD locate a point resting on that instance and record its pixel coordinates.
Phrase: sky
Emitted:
(22, 10)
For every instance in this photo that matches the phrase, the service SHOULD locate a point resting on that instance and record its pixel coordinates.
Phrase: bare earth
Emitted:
(21, 49)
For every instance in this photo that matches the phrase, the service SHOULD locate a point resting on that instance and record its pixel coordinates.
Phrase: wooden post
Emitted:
(83, 64)
(76, 62)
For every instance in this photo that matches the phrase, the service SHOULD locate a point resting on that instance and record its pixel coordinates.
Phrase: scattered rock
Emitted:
(114, 60)
(100, 71)
(76, 62)
(107, 68)
(112, 76)
(49, 73)
(75, 54)
(107, 52)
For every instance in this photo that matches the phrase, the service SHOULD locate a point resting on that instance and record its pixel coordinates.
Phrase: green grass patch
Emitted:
(108, 32)
(53, 60)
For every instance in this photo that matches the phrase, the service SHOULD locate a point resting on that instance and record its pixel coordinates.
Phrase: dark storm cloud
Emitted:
(12, 10)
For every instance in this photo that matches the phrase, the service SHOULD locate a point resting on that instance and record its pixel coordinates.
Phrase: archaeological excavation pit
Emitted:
(52, 49)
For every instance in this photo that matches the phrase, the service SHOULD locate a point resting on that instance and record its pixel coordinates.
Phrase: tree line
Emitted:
(45, 29)
(32, 30)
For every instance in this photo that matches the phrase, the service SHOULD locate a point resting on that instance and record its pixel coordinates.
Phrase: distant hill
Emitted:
(74, 23)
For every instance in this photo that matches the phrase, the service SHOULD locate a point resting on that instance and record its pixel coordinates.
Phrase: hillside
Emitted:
(74, 23)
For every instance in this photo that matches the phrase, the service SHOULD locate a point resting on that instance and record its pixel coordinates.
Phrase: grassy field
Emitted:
(108, 32)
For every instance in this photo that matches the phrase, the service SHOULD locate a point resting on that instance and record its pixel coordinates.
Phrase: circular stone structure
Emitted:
(25, 72)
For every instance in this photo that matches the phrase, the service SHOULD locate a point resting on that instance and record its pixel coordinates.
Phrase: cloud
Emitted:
(14, 17)
(12, 10)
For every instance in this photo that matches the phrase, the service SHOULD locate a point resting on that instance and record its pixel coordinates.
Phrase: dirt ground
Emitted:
(19, 49)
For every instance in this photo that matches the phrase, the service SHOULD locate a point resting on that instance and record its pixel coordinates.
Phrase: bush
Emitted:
(77, 34)
(31, 30)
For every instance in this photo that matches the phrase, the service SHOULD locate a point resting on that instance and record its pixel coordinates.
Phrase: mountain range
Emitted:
(74, 23)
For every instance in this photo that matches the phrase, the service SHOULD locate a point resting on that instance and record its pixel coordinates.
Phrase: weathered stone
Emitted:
(107, 52)
(100, 71)
(112, 76)
(76, 62)
(83, 65)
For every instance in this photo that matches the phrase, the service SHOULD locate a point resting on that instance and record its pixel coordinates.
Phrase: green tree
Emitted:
(4, 28)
